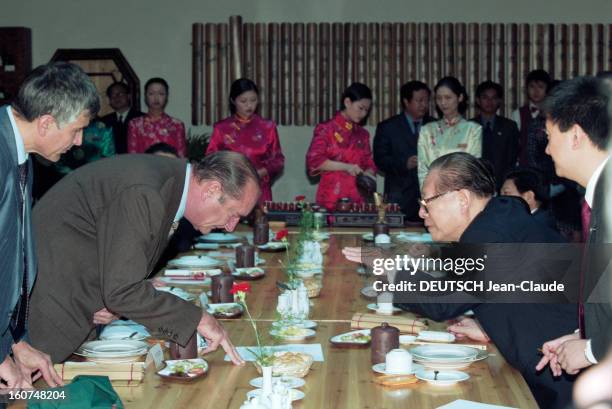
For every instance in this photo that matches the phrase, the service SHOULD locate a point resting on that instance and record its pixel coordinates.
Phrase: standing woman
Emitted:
(340, 149)
(452, 133)
(156, 126)
(248, 133)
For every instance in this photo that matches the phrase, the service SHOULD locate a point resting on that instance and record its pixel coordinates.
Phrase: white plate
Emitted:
(443, 378)
(380, 368)
(219, 238)
(272, 246)
(296, 394)
(436, 336)
(287, 381)
(369, 292)
(306, 333)
(171, 365)
(179, 292)
(454, 365)
(206, 246)
(195, 261)
(338, 338)
(413, 237)
(214, 308)
(374, 307)
(368, 236)
(407, 339)
(443, 353)
(173, 281)
(183, 274)
(122, 329)
(303, 324)
(113, 347)
(116, 336)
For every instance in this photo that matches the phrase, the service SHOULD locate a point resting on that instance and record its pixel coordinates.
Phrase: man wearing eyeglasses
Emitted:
(458, 205)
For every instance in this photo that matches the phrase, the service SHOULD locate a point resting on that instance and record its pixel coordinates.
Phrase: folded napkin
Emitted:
(406, 324)
(439, 336)
(85, 392)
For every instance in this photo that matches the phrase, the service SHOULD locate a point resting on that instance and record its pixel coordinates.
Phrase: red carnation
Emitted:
(281, 234)
(300, 198)
(240, 287)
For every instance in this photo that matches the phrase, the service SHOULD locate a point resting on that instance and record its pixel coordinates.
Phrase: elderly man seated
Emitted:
(458, 205)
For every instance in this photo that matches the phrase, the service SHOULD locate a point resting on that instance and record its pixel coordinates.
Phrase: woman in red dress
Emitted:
(248, 133)
(156, 126)
(340, 149)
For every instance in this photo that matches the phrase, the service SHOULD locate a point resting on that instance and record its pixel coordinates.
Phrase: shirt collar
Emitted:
(22, 155)
(183, 204)
(590, 188)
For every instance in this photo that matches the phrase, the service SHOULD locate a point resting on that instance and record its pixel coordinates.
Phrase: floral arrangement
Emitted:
(263, 356)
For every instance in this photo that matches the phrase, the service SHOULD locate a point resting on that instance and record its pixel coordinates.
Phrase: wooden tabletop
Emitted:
(345, 378)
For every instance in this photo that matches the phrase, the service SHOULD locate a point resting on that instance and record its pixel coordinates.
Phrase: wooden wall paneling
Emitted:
(248, 51)
(285, 100)
(500, 62)
(389, 73)
(222, 85)
(513, 83)
(299, 74)
(197, 74)
(360, 43)
(235, 43)
(338, 61)
(312, 86)
(260, 66)
(324, 100)
(373, 63)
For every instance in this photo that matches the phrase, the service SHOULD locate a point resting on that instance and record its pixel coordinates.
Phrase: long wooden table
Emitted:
(345, 378)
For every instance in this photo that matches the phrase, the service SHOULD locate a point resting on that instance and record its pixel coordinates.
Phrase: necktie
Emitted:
(586, 221)
(120, 117)
(417, 127)
(20, 313)
(535, 111)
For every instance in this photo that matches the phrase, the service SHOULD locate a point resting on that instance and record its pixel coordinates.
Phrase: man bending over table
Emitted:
(101, 230)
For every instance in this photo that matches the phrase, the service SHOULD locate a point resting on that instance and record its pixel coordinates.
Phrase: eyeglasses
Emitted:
(424, 202)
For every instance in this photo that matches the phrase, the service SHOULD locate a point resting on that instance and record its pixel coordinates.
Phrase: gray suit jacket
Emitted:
(11, 243)
(101, 229)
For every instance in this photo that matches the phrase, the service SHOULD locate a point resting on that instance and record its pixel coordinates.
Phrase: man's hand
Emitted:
(469, 328)
(364, 255)
(30, 360)
(12, 376)
(412, 162)
(549, 350)
(215, 335)
(571, 357)
(104, 317)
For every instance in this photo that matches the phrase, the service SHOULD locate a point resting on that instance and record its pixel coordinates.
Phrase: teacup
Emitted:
(398, 361)
(385, 308)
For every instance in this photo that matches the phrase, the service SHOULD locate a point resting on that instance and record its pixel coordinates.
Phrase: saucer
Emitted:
(287, 381)
(304, 324)
(381, 369)
(374, 307)
(296, 394)
(443, 378)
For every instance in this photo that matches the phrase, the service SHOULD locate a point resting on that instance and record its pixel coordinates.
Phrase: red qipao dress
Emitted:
(257, 139)
(145, 131)
(344, 141)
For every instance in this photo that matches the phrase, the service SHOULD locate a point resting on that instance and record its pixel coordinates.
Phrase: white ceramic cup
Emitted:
(398, 361)
(385, 308)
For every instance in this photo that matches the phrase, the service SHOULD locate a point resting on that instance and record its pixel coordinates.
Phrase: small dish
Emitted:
(352, 338)
(380, 368)
(248, 273)
(184, 369)
(290, 382)
(225, 310)
(304, 324)
(293, 333)
(407, 339)
(296, 394)
(442, 378)
(272, 246)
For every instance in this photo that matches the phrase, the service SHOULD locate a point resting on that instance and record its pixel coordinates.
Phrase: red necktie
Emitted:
(586, 221)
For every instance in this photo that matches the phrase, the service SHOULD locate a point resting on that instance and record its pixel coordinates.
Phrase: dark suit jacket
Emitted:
(394, 143)
(598, 289)
(500, 148)
(518, 330)
(12, 245)
(546, 217)
(120, 129)
(101, 229)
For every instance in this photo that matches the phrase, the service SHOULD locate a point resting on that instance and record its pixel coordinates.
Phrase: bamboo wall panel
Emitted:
(301, 69)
